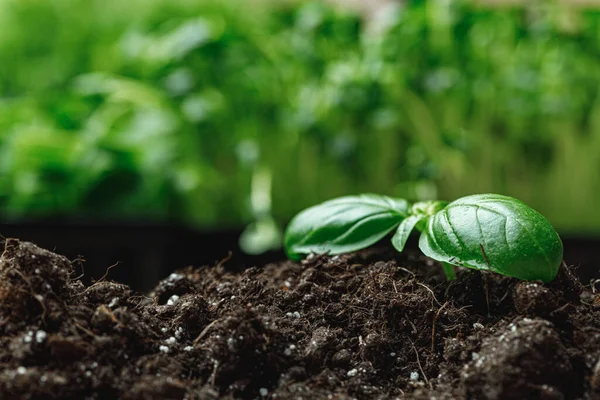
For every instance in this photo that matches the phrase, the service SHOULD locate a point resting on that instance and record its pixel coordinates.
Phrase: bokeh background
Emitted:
(237, 114)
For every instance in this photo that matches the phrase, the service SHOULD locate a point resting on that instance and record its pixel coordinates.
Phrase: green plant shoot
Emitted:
(486, 232)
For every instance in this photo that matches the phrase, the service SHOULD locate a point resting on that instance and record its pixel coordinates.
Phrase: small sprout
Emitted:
(487, 232)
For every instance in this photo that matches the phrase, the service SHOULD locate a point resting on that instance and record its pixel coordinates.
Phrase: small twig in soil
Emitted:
(505, 296)
(590, 328)
(204, 332)
(563, 307)
(106, 273)
(391, 279)
(84, 329)
(352, 266)
(414, 328)
(224, 260)
(430, 291)
(213, 375)
(485, 282)
(80, 261)
(32, 293)
(419, 364)
(365, 311)
(437, 314)
(572, 277)
(487, 293)
(139, 299)
(375, 285)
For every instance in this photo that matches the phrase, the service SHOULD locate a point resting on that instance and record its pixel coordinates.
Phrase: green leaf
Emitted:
(497, 233)
(403, 232)
(343, 225)
(428, 208)
(419, 213)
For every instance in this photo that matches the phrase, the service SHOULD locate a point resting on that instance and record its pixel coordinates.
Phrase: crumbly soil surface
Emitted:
(370, 325)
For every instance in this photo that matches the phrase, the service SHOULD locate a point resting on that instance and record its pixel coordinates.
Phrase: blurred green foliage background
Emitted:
(221, 114)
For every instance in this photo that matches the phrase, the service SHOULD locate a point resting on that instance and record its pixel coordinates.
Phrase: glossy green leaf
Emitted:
(404, 229)
(419, 213)
(497, 233)
(343, 225)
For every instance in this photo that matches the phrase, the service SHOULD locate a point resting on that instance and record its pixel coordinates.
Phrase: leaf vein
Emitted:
(460, 242)
(533, 239)
(362, 220)
(482, 236)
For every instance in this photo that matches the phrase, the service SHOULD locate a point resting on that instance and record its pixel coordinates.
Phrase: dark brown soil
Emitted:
(368, 325)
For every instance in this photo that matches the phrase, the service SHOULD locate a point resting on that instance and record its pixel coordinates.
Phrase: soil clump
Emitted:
(368, 325)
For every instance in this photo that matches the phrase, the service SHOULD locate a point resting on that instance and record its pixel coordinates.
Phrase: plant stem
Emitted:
(449, 271)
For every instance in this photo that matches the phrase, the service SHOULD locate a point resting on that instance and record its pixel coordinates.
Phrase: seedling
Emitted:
(485, 231)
